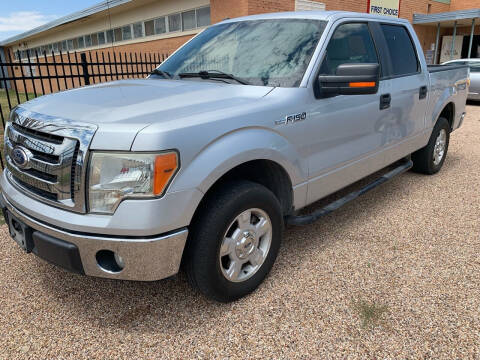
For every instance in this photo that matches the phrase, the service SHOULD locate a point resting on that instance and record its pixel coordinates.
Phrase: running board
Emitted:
(317, 214)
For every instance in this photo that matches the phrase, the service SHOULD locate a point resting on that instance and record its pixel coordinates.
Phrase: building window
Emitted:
(117, 34)
(126, 32)
(308, 5)
(149, 29)
(137, 30)
(81, 42)
(88, 41)
(160, 26)
(94, 39)
(101, 38)
(109, 36)
(174, 22)
(203, 16)
(188, 20)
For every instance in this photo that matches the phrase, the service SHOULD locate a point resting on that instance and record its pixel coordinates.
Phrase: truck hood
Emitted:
(121, 109)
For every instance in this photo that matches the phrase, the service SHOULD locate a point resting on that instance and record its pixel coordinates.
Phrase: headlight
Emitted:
(116, 176)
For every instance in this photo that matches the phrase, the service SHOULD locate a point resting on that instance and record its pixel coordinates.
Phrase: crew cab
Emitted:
(204, 162)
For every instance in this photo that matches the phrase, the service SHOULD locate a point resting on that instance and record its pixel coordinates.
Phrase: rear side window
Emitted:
(350, 43)
(401, 49)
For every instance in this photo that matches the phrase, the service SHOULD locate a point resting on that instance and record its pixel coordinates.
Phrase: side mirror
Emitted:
(350, 79)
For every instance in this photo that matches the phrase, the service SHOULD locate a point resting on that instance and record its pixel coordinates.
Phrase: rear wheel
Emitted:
(429, 160)
(234, 241)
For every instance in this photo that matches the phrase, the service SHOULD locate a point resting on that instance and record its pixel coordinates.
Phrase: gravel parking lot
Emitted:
(396, 274)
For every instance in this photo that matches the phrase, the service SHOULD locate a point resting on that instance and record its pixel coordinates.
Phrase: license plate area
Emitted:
(21, 233)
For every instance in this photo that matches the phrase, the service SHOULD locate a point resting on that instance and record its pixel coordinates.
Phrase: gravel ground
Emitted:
(396, 274)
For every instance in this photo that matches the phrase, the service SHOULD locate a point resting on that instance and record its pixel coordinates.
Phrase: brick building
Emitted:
(163, 25)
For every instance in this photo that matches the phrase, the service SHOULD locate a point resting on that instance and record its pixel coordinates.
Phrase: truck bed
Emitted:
(438, 68)
(447, 83)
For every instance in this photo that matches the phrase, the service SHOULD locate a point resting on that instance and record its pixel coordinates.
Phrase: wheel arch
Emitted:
(448, 112)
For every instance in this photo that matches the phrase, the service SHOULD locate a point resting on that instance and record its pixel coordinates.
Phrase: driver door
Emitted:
(346, 130)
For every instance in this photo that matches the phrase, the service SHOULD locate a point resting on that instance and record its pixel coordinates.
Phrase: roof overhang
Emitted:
(447, 19)
(95, 9)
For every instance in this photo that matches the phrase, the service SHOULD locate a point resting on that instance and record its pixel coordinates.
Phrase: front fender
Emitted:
(235, 148)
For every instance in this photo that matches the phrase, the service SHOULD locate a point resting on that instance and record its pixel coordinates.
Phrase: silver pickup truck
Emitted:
(203, 163)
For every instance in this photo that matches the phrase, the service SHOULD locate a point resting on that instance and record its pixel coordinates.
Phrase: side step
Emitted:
(317, 214)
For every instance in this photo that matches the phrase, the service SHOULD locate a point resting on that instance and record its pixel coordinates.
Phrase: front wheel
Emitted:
(429, 160)
(234, 241)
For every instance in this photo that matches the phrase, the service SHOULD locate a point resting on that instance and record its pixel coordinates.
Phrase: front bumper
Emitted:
(145, 258)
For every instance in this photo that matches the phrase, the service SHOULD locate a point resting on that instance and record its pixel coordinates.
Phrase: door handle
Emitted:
(423, 92)
(385, 101)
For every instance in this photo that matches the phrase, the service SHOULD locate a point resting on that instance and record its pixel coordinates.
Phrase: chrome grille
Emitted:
(55, 172)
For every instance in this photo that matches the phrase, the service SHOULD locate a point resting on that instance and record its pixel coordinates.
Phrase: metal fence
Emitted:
(40, 74)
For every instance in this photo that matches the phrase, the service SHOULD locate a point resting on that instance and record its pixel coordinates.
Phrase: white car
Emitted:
(474, 64)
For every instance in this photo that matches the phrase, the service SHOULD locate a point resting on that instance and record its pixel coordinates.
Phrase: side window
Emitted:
(401, 49)
(350, 43)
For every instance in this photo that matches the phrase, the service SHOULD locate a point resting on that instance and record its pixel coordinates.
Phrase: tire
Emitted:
(424, 160)
(218, 228)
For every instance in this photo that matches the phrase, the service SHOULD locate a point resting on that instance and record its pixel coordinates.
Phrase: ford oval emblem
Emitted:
(21, 156)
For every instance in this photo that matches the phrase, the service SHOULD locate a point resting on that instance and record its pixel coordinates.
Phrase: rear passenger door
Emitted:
(408, 85)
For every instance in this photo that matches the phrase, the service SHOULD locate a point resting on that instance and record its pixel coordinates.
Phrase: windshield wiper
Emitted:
(159, 72)
(213, 74)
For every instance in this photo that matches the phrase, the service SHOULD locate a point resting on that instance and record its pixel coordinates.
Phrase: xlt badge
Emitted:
(290, 119)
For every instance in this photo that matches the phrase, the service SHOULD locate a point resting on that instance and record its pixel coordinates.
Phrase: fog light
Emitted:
(109, 261)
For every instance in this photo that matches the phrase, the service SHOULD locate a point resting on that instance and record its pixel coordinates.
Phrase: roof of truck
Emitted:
(317, 15)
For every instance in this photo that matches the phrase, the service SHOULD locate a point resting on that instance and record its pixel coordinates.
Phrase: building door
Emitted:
(475, 47)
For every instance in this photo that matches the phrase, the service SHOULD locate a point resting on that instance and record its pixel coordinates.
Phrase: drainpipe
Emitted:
(453, 39)
(437, 43)
(471, 39)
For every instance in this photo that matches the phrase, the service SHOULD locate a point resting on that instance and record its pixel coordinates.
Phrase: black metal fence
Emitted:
(40, 74)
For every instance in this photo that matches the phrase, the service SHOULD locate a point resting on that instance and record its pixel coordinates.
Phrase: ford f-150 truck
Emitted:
(203, 162)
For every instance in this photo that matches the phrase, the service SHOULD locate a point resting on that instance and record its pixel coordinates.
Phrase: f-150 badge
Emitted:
(290, 119)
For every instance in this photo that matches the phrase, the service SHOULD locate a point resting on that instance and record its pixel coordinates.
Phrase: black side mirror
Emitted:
(350, 79)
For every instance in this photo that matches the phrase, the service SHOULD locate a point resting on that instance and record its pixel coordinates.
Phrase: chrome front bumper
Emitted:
(145, 259)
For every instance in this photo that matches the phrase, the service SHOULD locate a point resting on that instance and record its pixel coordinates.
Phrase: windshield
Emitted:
(260, 52)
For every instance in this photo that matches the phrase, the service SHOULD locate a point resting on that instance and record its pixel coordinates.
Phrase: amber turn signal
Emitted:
(165, 167)
(362, 84)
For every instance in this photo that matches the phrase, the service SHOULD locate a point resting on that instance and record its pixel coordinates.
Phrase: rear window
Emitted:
(401, 49)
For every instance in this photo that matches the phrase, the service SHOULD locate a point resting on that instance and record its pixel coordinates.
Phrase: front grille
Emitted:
(52, 159)
(56, 152)
(54, 139)
(44, 194)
